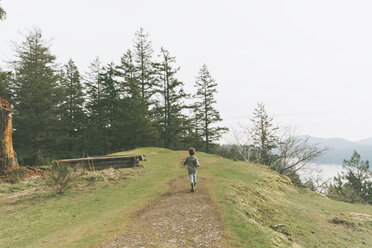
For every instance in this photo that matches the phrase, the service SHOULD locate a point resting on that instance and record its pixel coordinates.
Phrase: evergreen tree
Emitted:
(127, 72)
(109, 92)
(72, 109)
(5, 85)
(36, 97)
(354, 184)
(96, 142)
(131, 126)
(93, 89)
(206, 115)
(193, 132)
(109, 102)
(264, 134)
(169, 108)
(144, 67)
(102, 104)
(2, 13)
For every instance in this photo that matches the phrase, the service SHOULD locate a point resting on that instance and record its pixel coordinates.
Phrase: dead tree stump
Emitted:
(8, 157)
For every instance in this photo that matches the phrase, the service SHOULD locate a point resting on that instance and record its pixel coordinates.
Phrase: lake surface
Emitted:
(324, 171)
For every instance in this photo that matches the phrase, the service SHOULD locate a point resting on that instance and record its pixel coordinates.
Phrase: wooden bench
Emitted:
(104, 162)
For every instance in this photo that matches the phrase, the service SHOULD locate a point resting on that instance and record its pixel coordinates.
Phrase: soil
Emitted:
(179, 218)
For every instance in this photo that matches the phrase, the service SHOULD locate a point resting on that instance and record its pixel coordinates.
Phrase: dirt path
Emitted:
(178, 218)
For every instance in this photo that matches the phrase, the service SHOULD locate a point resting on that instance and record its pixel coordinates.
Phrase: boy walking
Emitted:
(192, 164)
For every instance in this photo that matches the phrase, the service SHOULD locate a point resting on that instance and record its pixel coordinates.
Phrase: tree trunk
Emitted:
(8, 158)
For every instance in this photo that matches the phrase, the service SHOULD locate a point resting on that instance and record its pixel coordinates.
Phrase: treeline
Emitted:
(61, 112)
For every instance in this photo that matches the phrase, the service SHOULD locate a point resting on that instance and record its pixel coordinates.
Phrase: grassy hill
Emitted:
(253, 201)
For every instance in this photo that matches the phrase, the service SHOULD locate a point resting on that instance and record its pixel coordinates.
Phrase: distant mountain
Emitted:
(340, 149)
(367, 141)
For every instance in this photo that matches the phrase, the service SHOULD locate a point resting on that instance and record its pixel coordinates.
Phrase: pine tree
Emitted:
(2, 13)
(354, 184)
(144, 67)
(109, 92)
(103, 97)
(36, 97)
(127, 72)
(5, 85)
(93, 89)
(193, 127)
(206, 115)
(96, 142)
(110, 103)
(169, 108)
(131, 126)
(72, 109)
(264, 134)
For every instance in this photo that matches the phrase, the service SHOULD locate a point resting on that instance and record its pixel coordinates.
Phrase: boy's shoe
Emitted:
(192, 187)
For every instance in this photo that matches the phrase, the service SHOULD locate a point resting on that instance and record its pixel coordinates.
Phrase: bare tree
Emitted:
(314, 179)
(294, 153)
(243, 143)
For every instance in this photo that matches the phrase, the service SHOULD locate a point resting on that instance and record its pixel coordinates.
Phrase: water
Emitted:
(322, 171)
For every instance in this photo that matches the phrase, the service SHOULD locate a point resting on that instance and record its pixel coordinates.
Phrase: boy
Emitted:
(192, 165)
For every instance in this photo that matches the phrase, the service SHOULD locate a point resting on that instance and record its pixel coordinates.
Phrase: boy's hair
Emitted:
(191, 151)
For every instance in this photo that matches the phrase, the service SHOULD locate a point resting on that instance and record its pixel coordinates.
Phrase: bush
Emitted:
(62, 177)
(355, 183)
(346, 193)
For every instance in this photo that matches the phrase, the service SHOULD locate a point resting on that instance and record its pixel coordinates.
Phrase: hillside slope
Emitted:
(262, 209)
(258, 208)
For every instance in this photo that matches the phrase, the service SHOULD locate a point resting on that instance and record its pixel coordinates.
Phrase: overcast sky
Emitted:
(310, 62)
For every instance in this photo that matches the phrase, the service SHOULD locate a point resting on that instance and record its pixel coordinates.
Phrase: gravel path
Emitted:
(178, 218)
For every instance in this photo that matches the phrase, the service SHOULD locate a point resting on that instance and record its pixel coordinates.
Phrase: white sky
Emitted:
(309, 61)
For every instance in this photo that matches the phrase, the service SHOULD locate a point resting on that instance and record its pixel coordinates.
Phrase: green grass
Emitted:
(251, 199)
(80, 219)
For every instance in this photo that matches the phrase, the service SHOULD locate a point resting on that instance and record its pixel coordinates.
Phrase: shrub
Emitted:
(62, 177)
(354, 184)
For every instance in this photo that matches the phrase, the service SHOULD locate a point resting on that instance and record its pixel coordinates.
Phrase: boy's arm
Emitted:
(197, 163)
